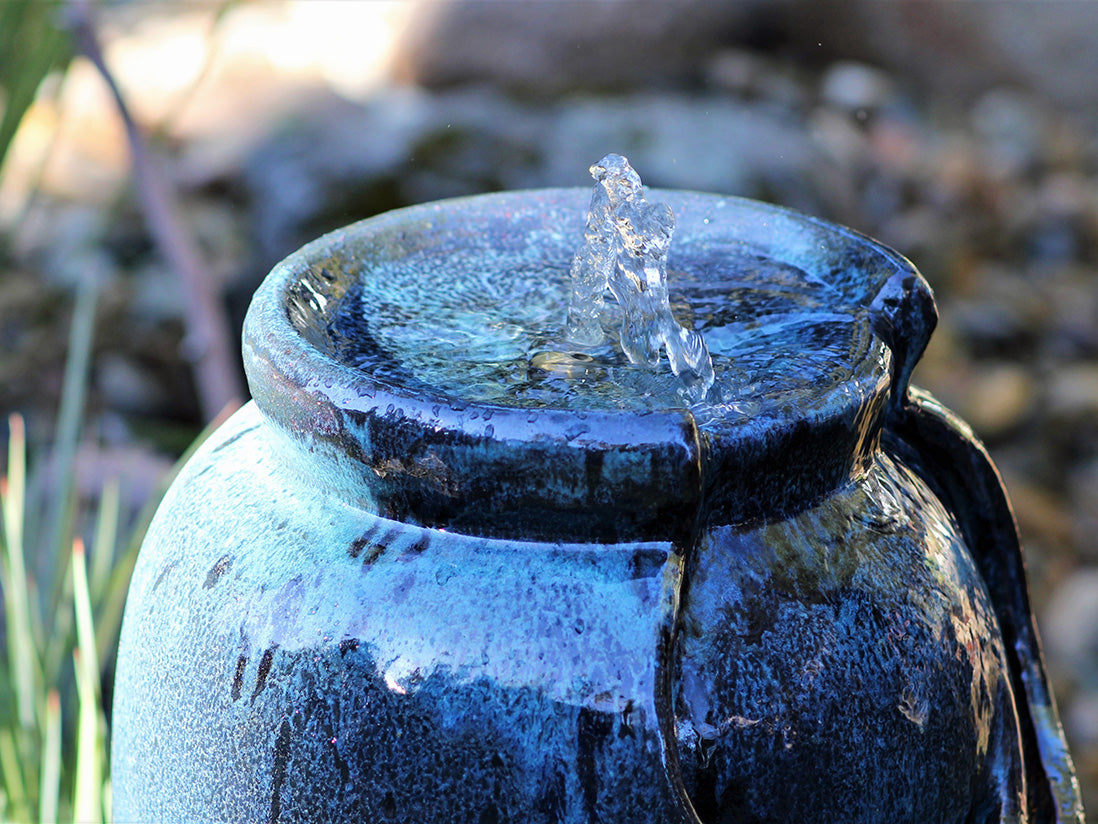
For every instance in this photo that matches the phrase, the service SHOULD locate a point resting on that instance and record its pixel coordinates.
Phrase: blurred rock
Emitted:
(348, 162)
(998, 399)
(137, 470)
(1069, 627)
(32, 354)
(330, 165)
(1073, 330)
(1043, 519)
(840, 139)
(1083, 493)
(954, 52)
(752, 75)
(1009, 127)
(1082, 720)
(705, 144)
(957, 51)
(342, 162)
(1073, 393)
(855, 87)
(129, 387)
(1003, 314)
(550, 47)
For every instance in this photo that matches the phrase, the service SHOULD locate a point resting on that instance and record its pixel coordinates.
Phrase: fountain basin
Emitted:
(349, 332)
(446, 569)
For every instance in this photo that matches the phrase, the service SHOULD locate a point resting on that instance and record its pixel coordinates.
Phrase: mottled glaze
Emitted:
(366, 598)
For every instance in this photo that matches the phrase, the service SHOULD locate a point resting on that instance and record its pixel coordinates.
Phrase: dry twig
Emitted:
(209, 345)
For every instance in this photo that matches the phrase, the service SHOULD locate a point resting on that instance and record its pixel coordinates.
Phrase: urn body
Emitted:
(375, 595)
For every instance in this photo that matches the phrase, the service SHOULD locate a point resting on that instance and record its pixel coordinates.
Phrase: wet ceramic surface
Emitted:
(367, 598)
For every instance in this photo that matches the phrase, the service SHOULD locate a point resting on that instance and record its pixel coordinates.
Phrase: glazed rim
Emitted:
(565, 474)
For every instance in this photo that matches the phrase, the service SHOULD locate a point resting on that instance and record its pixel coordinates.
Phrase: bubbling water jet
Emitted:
(625, 246)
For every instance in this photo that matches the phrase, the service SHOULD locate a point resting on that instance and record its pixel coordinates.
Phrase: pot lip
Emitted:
(414, 454)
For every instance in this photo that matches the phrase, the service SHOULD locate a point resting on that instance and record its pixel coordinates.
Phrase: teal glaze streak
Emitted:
(512, 653)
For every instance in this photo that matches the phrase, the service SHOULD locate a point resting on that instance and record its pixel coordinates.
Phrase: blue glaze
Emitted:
(803, 650)
(316, 662)
(380, 594)
(801, 426)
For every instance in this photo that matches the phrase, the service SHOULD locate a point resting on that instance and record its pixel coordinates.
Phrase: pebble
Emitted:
(1073, 393)
(855, 87)
(1008, 124)
(128, 387)
(998, 399)
(738, 71)
(751, 76)
(1069, 628)
(1083, 495)
(1082, 720)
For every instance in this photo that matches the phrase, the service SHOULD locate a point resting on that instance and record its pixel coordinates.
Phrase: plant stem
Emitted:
(208, 344)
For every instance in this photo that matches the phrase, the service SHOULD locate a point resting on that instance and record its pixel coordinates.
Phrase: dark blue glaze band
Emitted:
(575, 474)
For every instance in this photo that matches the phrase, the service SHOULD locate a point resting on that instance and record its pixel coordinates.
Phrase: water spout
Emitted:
(625, 246)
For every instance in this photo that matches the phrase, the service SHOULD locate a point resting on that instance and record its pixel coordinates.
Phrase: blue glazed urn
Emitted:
(443, 569)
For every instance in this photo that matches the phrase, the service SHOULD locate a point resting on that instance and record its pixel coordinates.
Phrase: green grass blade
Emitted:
(90, 749)
(112, 601)
(108, 801)
(87, 802)
(16, 486)
(106, 535)
(60, 641)
(24, 22)
(14, 785)
(49, 789)
(22, 660)
(85, 627)
(73, 392)
(62, 503)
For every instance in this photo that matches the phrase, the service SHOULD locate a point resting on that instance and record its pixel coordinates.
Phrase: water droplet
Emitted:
(444, 573)
(577, 430)
(567, 365)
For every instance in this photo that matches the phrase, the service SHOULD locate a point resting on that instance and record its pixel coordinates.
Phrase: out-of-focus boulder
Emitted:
(956, 51)
(548, 47)
(346, 162)
(959, 51)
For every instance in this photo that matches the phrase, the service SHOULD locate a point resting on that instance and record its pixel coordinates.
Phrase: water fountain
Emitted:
(470, 557)
(625, 248)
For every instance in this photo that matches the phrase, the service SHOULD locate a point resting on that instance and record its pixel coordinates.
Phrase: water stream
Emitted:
(625, 249)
